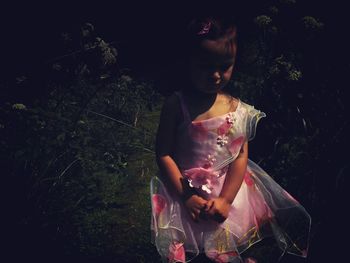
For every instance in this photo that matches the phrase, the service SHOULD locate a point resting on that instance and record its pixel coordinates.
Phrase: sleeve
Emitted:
(252, 118)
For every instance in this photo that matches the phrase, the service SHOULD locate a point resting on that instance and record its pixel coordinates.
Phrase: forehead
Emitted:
(220, 50)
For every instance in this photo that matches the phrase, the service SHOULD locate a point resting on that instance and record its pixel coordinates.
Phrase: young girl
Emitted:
(210, 198)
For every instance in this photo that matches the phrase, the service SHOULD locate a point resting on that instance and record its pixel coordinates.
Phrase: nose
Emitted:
(216, 76)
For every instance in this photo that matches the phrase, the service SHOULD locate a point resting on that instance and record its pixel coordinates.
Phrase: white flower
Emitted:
(19, 106)
(210, 160)
(222, 140)
(205, 188)
(202, 178)
(230, 118)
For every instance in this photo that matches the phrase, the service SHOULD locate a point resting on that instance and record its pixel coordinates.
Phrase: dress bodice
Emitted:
(208, 146)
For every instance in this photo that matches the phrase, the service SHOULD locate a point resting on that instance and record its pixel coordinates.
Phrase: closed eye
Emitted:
(225, 67)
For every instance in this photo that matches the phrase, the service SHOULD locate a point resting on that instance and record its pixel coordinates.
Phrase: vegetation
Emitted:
(78, 161)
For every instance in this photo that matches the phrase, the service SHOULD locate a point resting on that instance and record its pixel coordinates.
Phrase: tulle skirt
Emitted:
(261, 209)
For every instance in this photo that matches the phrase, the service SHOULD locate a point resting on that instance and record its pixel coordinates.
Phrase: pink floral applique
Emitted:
(236, 145)
(176, 252)
(230, 118)
(221, 257)
(202, 178)
(205, 28)
(209, 161)
(159, 203)
(198, 131)
(222, 140)
(224, 128)
(250, 260)
(248, 178)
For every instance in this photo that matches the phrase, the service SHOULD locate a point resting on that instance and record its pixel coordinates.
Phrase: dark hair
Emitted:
(208, 27)
(189, 41)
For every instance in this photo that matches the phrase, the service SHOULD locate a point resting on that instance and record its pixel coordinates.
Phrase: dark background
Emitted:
(30, 31)
(30, 38)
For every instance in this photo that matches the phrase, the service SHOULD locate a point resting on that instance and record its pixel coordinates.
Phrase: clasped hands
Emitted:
(216, 209)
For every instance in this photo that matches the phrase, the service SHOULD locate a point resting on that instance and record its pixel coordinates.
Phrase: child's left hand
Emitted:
(218, 209)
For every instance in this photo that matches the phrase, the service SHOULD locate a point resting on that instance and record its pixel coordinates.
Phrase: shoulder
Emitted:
(227, 99)
(252, 117)
(250, 113)
(172, 100)
(247, 107)
(171, 103)
(172, 107)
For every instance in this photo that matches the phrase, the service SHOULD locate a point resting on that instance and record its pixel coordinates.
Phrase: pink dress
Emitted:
(204, 149)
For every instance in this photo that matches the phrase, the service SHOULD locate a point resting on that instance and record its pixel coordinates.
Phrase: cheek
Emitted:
(227, 75)
(198, 75)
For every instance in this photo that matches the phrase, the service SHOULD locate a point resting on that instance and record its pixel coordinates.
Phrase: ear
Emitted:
(231, 32)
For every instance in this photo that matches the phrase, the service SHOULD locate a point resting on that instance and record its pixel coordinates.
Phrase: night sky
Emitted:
(30, 32)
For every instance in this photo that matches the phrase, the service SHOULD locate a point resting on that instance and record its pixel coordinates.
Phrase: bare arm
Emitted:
(235, 175)
(218, 208)
(170, 173)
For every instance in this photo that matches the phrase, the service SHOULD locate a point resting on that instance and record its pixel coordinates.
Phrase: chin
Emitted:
(209, 88)
(207, 91)
(212, 89)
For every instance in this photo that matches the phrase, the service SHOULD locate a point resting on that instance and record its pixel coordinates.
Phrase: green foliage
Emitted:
(19, 106)
(279, 73)
(85, 157)
(263, 21)
(85, 154)
(312, 23)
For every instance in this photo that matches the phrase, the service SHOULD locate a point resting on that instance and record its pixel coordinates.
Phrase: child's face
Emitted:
(212, 67)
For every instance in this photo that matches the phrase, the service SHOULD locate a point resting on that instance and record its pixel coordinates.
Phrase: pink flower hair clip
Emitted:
(205, 28)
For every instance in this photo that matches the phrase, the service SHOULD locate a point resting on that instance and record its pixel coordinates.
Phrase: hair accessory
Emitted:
(205, 28)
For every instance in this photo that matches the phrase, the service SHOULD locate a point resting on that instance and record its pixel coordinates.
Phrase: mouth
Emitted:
(210, 88)
(214, 85)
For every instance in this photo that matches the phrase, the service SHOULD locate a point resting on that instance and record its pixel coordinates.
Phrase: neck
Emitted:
(194, 93)
(199, 94)
(199, 100)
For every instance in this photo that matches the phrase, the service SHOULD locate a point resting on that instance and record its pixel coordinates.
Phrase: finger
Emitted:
(200, 206)
(194, 217)
(204, 203)
(212, 210)
(196, 212)
(209, 205)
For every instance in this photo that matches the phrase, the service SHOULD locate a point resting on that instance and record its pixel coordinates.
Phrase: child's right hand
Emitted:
(194, 205)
